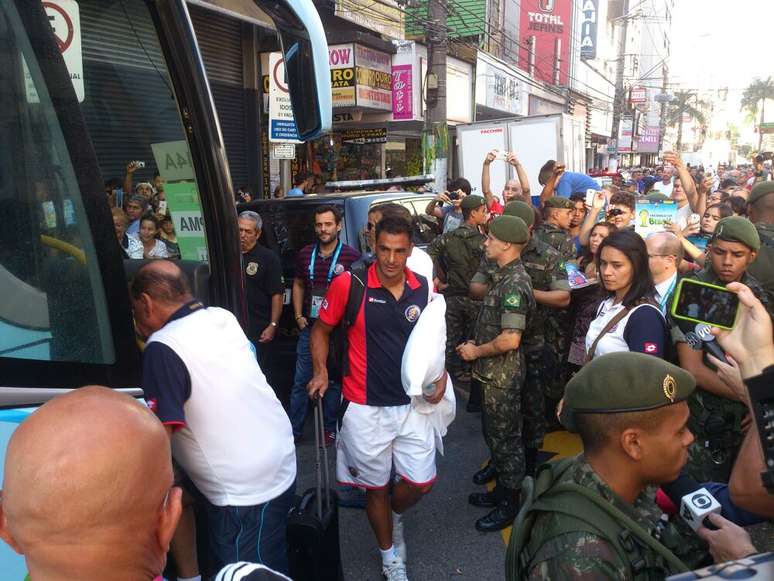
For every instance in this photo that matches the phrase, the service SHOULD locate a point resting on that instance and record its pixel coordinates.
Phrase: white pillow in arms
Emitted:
(424, 357)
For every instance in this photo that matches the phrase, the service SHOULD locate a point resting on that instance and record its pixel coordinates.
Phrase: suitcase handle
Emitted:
(319, 438)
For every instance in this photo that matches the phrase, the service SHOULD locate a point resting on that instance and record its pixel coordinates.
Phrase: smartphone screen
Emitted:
(705, 303)
(590, 193)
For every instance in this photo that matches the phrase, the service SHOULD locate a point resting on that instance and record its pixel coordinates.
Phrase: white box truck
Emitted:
(534, 140)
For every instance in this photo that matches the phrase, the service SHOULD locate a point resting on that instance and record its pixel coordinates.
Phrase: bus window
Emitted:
(54, 307)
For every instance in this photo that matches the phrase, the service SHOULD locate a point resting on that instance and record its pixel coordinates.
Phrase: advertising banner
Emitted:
(588, 31)
(625, 134)
(364, 135)
(341, 58)
(374, 78)
(648, 142)
(496, 87)
(650, 217)
(402, 92)
(545, 39)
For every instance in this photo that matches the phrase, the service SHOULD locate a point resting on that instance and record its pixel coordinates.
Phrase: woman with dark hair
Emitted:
(149, 232)
(696, 235)
(629, 318)
(588, 261)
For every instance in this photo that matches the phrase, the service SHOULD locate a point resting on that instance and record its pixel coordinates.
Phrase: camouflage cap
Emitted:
(557, 202)
(624, 382)
(509, 229)
(521, 210)
(737, 229)
(761, 190)
(472, 202)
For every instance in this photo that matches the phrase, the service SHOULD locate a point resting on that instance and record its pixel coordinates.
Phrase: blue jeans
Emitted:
(257, 534)
(299, 397)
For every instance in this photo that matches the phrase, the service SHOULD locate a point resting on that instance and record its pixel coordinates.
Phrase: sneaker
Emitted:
(330, 438)
(398, 542)
(395, 571)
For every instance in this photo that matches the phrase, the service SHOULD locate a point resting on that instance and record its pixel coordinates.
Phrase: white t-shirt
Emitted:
(665, 189)
(683, 214)
(614, 340)
(237, 443)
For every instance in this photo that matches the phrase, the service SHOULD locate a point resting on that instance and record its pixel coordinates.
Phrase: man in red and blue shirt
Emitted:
(376, 429)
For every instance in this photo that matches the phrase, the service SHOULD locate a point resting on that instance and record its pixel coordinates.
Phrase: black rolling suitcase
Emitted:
(313, 522)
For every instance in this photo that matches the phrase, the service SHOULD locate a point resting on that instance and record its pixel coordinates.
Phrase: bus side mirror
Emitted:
(305, 51)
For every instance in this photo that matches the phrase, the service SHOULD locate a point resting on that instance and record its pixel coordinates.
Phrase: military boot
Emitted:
(489, 499)
(503, 514)
(486, 474)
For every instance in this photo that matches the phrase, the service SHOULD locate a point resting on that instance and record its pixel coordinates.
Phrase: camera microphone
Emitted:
(695, 501)
(704, 332)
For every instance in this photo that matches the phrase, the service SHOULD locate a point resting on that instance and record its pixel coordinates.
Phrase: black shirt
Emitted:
(263, 278)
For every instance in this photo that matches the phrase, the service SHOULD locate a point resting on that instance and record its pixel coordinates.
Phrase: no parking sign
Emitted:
(64, 17)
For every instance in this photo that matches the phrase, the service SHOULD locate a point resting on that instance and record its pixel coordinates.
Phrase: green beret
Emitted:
(557, 202)
(521, 210)
(657, 197)
(738, 229)
(760, 190)
(624, 382)
(472, 202)
(509, 229)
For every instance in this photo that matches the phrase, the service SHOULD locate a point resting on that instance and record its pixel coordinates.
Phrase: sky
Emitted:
(721, 43)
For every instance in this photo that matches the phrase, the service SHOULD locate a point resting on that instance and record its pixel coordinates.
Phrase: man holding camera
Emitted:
(717, 414)
(447, 206)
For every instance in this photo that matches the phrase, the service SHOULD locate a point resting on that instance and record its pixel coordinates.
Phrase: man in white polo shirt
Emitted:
(228, 429)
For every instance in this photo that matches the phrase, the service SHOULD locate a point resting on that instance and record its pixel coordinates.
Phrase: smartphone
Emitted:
(501, 155)
(702, 302)
(590, 193)
(694, 219)
(162, 206)
(140, 164)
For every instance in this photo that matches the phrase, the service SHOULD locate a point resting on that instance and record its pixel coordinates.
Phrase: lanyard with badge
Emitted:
(318, 295)
(662, 304)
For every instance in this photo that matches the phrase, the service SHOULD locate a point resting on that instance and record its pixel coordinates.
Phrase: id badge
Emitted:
(317, 301)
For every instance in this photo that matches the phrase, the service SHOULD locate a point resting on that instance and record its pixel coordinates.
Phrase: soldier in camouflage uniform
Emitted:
(456, 256)
(760, 207)
(581, 530)
(499, 363)
(716, 413)
(554, 231)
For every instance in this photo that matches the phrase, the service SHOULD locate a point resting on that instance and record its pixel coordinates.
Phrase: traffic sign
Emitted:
(282, 124)
(64, 17)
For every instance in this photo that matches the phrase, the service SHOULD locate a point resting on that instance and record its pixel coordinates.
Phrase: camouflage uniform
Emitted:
(762, 269)
(507, 305)
(558, 239)
(556, 554)
(716, 421)
(458, 253)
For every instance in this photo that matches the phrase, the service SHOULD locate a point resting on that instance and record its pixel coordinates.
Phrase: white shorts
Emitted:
(372, 439)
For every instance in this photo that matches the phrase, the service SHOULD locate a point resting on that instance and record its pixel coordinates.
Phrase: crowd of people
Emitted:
(141, 217)
(558, 314)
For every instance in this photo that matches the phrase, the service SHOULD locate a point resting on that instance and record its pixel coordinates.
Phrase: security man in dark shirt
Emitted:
(263, 282)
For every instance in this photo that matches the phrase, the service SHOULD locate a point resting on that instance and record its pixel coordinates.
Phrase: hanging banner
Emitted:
(588, 29)
(545, 40)
(402, 92)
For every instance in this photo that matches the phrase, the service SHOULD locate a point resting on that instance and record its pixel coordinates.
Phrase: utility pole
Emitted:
(662, 114)
(435, 145)
(619, 101)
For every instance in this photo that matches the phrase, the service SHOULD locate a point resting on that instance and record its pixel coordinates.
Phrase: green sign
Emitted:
(186, 211)
(173, 160)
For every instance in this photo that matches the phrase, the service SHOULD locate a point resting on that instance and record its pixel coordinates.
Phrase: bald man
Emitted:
(228, 429)
(87, 490)
(665, 252)
(514, 189)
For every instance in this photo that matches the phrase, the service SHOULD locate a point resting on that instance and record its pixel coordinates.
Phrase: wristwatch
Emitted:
(273, 324)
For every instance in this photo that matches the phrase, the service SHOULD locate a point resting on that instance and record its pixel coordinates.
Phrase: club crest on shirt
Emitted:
(338, 269)
(353, 471)
(324, 305)
(153, 405)
(252, 268)
(412, 313)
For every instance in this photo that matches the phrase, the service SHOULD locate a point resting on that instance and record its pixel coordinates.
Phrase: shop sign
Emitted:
(341, 58)
(282, 124)
(497, 88)
(402, 92)
(638, 95)
(545, 39)
(348, 117)
(588, 29)
(384, 17)
(364, 135)
(625, 134)
(374, 78)
(648, 142)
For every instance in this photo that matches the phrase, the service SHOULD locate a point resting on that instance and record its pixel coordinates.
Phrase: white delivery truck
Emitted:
(534, 140)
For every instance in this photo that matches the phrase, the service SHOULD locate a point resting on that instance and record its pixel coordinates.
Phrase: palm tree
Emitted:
(757, 93)
(679, 105)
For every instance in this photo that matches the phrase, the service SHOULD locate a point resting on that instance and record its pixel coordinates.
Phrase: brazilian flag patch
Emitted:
(512, 300)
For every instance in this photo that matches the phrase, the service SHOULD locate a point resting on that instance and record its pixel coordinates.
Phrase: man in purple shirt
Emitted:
(316, 266)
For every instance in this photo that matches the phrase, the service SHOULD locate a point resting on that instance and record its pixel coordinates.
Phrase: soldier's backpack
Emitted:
(584, 511)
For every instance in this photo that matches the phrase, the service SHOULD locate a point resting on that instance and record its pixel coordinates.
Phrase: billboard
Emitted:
(545, 30)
